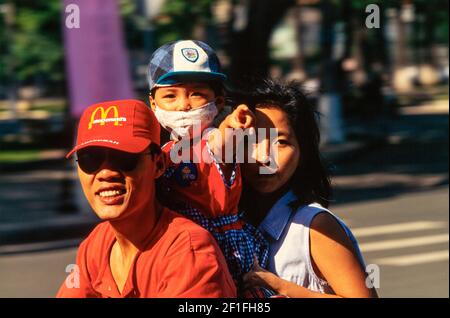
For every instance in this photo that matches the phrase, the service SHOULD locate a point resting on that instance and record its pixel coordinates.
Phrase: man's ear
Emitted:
(152, 102)
(220, 102)
(160, 164)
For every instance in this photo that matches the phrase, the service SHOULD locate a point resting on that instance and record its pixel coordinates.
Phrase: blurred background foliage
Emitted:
(31, 43)
(32, 46)
(322, 43)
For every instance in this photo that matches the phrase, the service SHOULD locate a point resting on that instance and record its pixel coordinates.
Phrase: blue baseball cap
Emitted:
(175, 61)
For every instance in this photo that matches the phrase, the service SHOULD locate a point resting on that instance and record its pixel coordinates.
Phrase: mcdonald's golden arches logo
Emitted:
(103, 116)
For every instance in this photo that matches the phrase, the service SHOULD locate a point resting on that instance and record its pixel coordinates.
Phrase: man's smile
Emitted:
(111, 195)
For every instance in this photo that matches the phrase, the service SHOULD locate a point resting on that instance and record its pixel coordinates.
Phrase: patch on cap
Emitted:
(190, 54)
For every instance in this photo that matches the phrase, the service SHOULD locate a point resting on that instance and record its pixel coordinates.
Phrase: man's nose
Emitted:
(108, 172)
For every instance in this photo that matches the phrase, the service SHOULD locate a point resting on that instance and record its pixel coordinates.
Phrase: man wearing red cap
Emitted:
(142, 249)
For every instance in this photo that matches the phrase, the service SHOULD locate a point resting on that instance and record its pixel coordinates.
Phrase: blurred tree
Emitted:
(428, 25)
(330, 99)
(249, 33)
(180, 19)
(370, 43)
(132, 23)
(34, 45)
(367, 49)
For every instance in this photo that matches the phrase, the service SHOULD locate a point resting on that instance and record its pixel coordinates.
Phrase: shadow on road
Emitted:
(415, 158)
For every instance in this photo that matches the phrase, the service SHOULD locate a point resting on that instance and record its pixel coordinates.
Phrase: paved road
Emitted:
(418, 267)
(395, 199)
(407, 237)
(34, 274)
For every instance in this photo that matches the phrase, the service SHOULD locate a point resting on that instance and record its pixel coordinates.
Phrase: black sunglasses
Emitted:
(91, 159)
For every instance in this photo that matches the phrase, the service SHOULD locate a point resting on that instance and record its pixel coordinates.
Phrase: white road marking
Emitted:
(414, 259)
(397, 228)
(402, 243)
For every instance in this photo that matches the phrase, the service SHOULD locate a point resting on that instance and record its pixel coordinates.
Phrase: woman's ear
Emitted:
(152, 102)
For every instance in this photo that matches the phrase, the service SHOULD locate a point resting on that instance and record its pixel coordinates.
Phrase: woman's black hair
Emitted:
(311, 181)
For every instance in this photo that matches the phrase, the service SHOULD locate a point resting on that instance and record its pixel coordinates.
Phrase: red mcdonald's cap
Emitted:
(126, 125)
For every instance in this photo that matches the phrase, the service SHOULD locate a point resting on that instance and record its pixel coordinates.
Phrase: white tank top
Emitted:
(289, 255)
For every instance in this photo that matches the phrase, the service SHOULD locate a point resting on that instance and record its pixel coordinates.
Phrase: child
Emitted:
(186, 86)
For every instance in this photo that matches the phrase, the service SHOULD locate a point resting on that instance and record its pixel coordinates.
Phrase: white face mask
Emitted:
(181, 123)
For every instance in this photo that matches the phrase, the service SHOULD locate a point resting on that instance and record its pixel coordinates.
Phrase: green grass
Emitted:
(11, 156)
(424, 94)
(440, 96)
(52, 106)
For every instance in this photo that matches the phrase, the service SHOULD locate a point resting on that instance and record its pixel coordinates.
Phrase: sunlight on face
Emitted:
(286, 146)
(114, 194)
(183, 97)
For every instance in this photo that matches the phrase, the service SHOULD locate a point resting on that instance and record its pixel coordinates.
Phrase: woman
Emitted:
(312, 252)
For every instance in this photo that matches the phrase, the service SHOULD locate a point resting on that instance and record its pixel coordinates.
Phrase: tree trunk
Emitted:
(330, 99)
(248, 47)
(298, 63)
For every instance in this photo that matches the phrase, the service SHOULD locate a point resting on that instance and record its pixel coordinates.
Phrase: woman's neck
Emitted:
(259, 204)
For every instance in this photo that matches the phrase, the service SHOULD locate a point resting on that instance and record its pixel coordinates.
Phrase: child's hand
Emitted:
(242, 117)
(258, 277)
